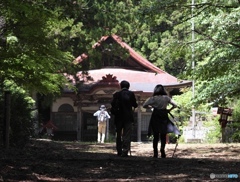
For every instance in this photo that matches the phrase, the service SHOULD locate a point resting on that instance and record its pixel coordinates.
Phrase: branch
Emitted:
(214, 5)
(215, 40)
(199, 8)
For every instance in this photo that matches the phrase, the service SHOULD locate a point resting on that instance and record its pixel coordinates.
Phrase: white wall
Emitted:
(63, 100)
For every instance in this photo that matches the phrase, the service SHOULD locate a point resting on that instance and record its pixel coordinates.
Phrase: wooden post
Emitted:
(7, 101)
(223, 135)
(139, 116)
(224, 113)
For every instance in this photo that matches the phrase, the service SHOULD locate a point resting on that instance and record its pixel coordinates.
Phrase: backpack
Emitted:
(115, 109)
(102, 116)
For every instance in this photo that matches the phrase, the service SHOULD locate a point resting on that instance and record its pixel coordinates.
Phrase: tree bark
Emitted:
(7, 102)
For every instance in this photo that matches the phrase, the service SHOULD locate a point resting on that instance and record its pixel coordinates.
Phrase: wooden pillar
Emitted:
(79, 122)
(107, 130)
(139, 116)
(223, 135)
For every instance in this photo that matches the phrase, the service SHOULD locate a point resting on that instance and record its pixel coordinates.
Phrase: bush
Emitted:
(214, 134)
(235, 124)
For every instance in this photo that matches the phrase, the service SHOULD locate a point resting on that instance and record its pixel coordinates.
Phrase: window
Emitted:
(65, 108)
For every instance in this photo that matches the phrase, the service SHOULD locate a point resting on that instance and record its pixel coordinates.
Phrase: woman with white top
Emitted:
(159, 122)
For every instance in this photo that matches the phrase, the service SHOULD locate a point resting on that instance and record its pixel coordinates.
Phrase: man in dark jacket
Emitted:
(125, 101)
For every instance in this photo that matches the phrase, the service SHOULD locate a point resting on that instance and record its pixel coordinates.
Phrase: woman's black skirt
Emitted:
(160, 123)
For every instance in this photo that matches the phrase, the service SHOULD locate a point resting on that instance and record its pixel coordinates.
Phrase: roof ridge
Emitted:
(137, 56)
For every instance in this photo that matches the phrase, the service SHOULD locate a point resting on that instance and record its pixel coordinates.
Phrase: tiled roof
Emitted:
(80, 58)
(136, 56)
(139, 80)
(143, 81)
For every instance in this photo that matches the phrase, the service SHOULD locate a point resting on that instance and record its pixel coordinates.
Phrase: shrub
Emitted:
(235, 124)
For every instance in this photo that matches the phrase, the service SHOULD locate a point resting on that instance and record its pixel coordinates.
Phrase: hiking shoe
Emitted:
(163, 155)
(119, 153)
(155, 155)
(124, 154)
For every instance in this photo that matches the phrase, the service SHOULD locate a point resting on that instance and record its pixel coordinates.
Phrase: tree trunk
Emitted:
(7, 101)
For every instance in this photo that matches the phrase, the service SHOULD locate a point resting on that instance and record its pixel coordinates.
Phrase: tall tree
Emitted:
(218, 51)
(39, 39)
(30, 56)
(216, 44)
(162, 30)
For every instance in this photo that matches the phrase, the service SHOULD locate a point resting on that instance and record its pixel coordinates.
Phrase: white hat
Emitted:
(102, 107)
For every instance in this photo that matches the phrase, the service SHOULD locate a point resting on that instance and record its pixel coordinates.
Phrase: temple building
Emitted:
(72, 114)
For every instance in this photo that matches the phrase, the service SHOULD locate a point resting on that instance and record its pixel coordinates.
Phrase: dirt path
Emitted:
(76, 161)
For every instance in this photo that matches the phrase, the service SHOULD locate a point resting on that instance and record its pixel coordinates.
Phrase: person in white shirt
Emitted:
(102, 117)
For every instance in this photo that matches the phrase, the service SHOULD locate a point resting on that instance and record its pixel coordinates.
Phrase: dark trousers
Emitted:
(123, 138)
(163, 139)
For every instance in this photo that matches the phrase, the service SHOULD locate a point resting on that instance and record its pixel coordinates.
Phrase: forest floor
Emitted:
(46, 160)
